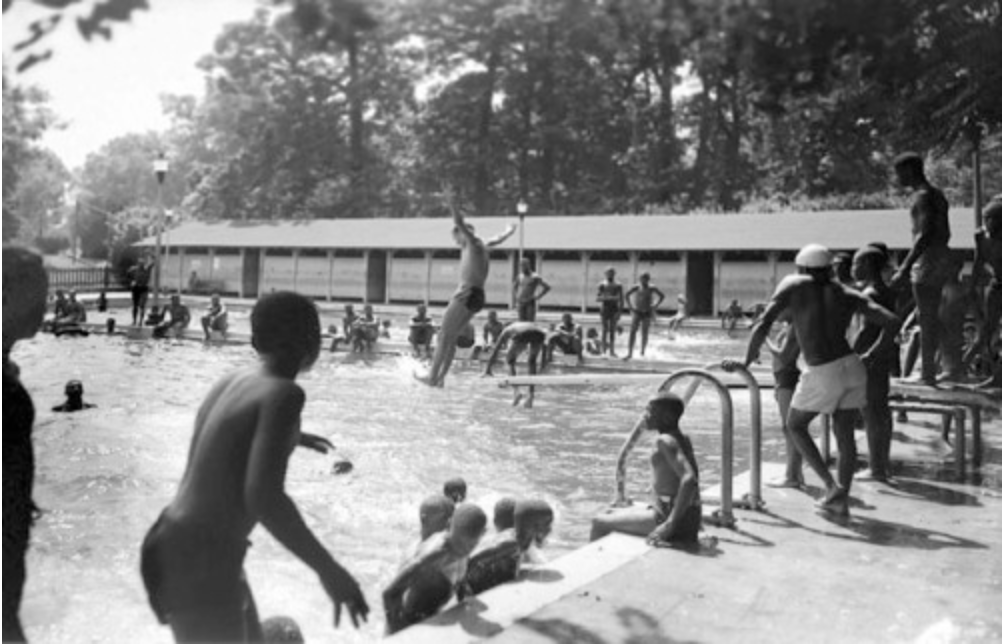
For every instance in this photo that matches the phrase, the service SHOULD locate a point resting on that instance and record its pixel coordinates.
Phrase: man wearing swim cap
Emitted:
(835, 379)
(469, 298)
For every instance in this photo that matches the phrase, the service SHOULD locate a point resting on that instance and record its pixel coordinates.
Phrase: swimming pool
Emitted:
(104, 475)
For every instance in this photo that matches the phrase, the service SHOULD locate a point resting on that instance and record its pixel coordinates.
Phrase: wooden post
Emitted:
(296, 268)
(716, 305)
(181, 269)
(240, 289)
(634, 256)
(428, 276)
(388, 275)
(772, 258)
(331, 274)
(585, 281)
(212, 261)
(513, 272)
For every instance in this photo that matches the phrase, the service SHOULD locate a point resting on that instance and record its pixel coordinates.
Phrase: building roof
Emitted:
(734, 232)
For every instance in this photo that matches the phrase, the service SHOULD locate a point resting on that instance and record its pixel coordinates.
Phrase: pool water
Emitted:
(104, 475)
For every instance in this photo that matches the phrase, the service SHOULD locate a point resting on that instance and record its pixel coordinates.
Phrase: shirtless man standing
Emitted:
(469, 298)
(528, 287)
(610, 295)
(642, 310)
(835, 380)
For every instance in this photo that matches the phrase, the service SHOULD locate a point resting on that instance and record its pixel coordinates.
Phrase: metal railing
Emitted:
(82, 278)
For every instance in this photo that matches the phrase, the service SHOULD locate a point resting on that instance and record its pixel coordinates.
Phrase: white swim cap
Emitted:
(813, 256)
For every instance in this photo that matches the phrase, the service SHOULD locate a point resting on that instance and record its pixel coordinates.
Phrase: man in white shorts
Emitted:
(834, 381)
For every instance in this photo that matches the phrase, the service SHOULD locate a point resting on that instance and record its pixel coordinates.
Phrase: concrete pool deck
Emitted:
(917, 561)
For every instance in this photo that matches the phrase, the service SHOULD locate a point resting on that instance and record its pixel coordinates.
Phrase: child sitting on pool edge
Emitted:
(192, 557)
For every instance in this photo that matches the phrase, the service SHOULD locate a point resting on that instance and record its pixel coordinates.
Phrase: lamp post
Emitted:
(159, 171)
(521, 209)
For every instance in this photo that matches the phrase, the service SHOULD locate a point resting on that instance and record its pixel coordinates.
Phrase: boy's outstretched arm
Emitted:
(275, 435)
(501, 237)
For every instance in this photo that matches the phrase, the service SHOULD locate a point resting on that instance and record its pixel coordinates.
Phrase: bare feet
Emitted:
(835, 502)
(795, 484)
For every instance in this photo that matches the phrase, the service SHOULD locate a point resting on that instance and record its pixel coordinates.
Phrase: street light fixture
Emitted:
(521, 208)
(160, 167)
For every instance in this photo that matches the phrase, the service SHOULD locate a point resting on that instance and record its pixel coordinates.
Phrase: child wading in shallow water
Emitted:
(245, 431)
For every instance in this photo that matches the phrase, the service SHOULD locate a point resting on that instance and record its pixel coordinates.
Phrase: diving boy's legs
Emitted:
(928, 300)
(878, 425)
(455, 319)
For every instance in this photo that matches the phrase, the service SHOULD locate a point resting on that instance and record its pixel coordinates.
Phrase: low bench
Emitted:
(948, 413)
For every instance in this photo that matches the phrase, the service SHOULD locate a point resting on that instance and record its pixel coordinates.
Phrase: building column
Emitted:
(428, 276)
(388, 275)
(772, 258)
(240, 288)
(512, 278)
(634, 257)
(584, 258)
(296, 268)
(331, 275)
(182, 282)
(716, 305)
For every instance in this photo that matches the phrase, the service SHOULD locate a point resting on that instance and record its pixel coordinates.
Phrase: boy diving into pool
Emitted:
(245, 431)
(427, 581)
(469, 298)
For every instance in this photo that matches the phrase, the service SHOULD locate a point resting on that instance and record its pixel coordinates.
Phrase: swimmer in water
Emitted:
(435, 514)
(675, 513)
(74, 398)
(455, 489)
(470, 296)
(498, 560)
(520, 336)
(428, 580)
(504, 516)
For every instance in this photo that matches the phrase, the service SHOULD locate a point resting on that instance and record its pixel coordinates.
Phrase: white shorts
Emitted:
(825, 388)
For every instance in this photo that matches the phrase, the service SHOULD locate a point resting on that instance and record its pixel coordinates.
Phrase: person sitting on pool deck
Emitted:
(245, 432)
(567, 337)
(469, 298)
(593, 347)
(420, 332)
(178, 320)
(520, 336)
(74, 314)
(731, 316)
(455, 489)
(427, 581)
(835, 380)
(58, 310)
(74, 398)
(675, 513)
(642, 310)
(497, 560)
(681, 314)
(215, 318)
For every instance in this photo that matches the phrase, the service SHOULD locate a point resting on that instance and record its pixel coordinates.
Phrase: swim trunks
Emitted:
(610, 310)
(189, 568)
(787, 378)
(825, 388)
(527, 311)
(473, 297)
(690, 526)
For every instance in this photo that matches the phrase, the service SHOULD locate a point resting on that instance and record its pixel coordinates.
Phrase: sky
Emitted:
(103, 89)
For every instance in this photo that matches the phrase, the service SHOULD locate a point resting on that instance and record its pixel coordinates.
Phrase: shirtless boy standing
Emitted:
(469, 298)
(245, 431)
(610, 295)
(835, 379)
(639, 300)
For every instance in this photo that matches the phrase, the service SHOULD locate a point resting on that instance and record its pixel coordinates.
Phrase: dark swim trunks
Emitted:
(610, 310)
(188, 568)
(473, 298)
(787, 378)
(691, 525)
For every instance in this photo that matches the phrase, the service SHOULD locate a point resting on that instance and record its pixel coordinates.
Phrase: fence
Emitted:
(83, 279)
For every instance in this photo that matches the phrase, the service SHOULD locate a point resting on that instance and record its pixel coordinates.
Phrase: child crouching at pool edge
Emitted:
(246, 429)
(675, 513)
